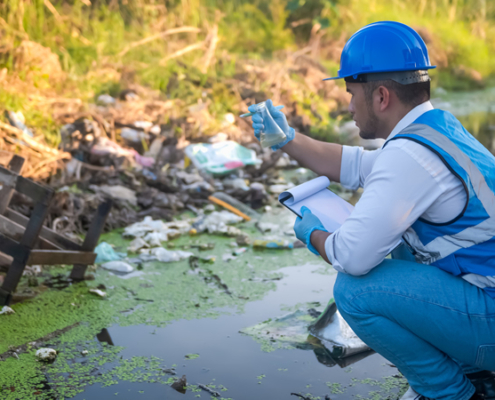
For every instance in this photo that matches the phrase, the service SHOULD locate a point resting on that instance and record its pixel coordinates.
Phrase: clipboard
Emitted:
(314, 194)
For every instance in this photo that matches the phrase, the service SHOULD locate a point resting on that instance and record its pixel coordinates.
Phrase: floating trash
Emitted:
(7, 310)
(46, 354)
(273, 244)
(117, 266)
(98, 292)
(239, 251)
(153, 232)
(137, 244)
(105, 252)
(164, 255)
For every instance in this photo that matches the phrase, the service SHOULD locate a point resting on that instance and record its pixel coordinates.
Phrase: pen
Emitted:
(250, 113)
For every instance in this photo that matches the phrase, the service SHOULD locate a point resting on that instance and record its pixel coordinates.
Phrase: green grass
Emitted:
(88, 39)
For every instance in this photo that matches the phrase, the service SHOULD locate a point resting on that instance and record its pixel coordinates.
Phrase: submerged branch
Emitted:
(209, 390)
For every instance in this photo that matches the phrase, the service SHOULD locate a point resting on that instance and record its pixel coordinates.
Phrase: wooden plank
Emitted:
(7, 175)
(8, 182)
(92, 237)
(15, 231)
(39, 193)
(12, 248)
(22, 251)
(5, 260)
(15, 165)
(58, 240)
(33, 227)
(57, 257)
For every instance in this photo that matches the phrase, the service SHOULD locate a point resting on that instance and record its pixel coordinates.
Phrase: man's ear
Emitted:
(383, 94)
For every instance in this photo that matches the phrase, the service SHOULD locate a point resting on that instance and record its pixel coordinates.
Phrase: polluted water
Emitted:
(183, 329)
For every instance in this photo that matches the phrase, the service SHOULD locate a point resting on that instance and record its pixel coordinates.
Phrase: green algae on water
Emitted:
(163, 293)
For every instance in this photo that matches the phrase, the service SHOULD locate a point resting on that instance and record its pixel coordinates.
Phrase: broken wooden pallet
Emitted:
(25, 241)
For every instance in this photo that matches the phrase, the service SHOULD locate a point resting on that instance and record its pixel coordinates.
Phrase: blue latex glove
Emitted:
(305, 226)
(278, 117)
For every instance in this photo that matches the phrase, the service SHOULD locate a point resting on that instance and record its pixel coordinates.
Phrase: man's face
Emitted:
(362, 111)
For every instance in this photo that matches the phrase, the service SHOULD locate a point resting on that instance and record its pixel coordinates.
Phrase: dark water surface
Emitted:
(234, 360)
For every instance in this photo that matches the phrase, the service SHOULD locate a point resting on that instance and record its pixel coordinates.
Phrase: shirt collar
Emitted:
(410, 117)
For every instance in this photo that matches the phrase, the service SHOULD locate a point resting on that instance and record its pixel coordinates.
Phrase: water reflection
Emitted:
(482, 126)
(324, 357)
(475, 110)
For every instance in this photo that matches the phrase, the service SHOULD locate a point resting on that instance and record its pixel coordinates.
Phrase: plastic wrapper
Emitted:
(105, 252)
(216, 223)
(118, 266)
(220, 158)
(137, 244)
(336, 334)
(167, 230)
(163, 255)
(340, 345)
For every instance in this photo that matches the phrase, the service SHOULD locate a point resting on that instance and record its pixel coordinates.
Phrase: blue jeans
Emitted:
(435, 327)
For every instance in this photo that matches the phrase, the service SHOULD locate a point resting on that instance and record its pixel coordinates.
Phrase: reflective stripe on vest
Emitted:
(443, 246)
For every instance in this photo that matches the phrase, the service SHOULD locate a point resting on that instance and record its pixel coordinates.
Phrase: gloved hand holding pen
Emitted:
(304, 227)
(273, 124)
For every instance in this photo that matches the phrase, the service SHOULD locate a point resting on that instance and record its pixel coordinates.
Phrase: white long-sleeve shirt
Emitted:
(402, 182)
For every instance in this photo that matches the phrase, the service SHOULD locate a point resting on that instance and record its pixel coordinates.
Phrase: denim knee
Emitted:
(344, 290)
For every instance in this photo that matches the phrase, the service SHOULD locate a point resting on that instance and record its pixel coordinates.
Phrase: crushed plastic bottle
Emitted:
(273, 244)
(272, 134)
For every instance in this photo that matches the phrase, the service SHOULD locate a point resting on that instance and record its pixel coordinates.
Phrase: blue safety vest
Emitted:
(465, 244)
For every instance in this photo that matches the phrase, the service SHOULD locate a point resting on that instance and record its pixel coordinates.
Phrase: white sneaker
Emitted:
(412, 395)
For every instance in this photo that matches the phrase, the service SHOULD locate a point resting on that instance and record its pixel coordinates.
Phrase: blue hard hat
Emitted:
(385, 46)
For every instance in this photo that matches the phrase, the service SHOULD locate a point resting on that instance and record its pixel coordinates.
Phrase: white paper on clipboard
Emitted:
(326, 205)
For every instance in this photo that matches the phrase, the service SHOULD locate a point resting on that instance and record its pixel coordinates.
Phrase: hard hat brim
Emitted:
(348, 75)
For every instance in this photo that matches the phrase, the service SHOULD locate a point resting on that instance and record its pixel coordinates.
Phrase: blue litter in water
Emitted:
(105, 252)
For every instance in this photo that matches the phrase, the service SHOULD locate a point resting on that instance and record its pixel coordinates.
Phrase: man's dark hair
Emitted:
(412, 95)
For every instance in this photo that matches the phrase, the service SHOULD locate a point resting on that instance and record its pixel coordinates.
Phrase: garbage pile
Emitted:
(147, 171)
(156, 155)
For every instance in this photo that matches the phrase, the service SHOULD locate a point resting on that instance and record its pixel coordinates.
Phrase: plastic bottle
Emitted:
(272, 134)
(273, 244)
